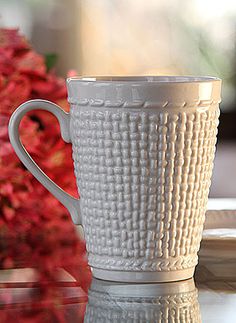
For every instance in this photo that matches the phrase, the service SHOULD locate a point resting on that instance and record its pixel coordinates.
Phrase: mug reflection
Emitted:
(163, 302)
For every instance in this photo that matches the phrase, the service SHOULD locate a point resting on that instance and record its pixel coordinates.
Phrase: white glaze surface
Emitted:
(143, 179)
(143, 150)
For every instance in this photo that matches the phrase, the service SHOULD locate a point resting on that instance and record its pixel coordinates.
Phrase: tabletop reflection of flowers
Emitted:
(35, 229)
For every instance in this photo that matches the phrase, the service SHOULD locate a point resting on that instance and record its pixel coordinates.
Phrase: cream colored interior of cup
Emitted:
(161, 79)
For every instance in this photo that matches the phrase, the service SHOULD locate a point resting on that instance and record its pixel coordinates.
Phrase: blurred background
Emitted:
(140, 37)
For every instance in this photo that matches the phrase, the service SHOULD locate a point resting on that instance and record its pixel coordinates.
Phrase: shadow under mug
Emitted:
(143, 150)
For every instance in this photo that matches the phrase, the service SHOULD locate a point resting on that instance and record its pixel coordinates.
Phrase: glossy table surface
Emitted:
(210, 297)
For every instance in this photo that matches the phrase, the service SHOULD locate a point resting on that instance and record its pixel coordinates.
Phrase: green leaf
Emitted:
(50, 60)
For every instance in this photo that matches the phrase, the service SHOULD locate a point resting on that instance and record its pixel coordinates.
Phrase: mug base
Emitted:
(143, 276)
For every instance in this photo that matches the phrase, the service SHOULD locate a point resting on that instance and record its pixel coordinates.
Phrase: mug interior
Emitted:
(151, 90)
(147, 79)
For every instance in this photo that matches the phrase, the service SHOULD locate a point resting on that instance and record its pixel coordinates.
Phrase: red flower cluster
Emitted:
(35, 229)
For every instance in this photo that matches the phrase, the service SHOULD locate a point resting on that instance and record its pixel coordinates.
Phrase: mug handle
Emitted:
(71, 203)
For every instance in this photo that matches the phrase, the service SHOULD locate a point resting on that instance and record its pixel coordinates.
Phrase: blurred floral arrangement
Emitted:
(35, 229)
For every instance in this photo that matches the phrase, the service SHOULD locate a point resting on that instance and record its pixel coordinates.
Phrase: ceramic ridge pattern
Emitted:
(143, 180)
(140, 104)
(159, 264)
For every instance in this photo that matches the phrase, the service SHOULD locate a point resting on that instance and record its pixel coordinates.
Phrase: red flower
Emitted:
(31, 64)
(35, 229)
(11, 39)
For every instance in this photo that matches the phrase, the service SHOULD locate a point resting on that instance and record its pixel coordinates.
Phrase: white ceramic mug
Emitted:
(143, 150)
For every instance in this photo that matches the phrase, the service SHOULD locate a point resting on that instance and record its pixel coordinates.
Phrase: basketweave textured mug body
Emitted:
(143, 150)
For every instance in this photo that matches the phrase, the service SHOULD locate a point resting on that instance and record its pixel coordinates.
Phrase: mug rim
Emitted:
(145, 79)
